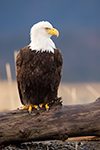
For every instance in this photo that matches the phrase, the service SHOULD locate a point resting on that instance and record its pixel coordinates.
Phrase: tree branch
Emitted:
(60, 122)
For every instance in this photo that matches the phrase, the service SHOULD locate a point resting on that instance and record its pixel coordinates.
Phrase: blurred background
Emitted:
(79, 25)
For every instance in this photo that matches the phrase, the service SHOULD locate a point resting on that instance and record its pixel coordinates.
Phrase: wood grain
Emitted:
(60, 122)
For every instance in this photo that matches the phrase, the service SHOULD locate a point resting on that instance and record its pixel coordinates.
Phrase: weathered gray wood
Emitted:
(59, 122)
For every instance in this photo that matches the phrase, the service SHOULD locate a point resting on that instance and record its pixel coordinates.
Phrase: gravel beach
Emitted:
(86, 144)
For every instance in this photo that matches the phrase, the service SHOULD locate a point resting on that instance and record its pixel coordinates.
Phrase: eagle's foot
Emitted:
(47, 106)
(31, 107)
(25, 107)
(36, 107)
(41, 105)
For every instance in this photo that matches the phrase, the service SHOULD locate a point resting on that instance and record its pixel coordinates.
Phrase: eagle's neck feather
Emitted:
(42, 44)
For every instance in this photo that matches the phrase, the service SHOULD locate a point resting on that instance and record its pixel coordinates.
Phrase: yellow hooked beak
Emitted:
(53, 31)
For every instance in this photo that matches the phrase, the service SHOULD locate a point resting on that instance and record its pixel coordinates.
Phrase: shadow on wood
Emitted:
(60, 122)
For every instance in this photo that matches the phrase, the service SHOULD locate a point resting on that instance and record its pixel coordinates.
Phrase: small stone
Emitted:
(73, 144)
(40, 144)
(48, 143)
(66, 146)
(51, 148)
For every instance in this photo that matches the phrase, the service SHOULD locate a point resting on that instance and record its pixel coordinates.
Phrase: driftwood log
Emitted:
(60, 122)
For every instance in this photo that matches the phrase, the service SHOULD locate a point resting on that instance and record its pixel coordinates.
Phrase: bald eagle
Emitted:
(39, 68)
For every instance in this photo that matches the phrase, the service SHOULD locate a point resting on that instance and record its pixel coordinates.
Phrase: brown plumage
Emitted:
(38, 75)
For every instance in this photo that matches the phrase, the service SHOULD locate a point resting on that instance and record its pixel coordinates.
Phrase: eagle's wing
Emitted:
(58, 71)
(18, 68)
(59, 60)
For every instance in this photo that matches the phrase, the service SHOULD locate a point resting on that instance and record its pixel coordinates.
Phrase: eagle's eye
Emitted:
(47, 28)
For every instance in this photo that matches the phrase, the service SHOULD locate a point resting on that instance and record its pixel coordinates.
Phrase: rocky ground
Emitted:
(71, 144)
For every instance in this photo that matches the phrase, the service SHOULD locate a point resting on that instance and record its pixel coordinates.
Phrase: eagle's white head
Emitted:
(40, 36)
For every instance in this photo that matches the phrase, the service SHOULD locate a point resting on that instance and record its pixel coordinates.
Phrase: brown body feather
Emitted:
(38, 75)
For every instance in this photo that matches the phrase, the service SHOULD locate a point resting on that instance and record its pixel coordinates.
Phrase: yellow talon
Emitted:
(25, 107)
(41, 105)
(36, 107)
(46, 106)
(30, 108)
